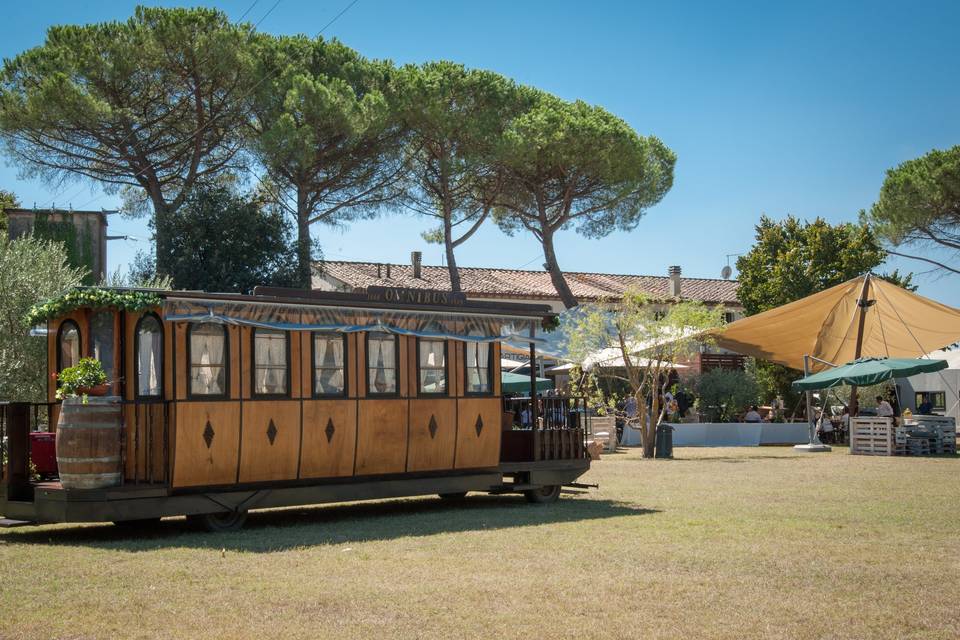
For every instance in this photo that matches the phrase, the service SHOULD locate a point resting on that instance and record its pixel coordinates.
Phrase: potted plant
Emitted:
(86, 378)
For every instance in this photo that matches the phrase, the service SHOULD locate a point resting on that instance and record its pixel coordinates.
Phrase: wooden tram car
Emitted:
(228, 403)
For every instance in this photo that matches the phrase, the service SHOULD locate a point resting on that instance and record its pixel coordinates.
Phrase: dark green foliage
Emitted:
(919, 209)
(221, 241)
(91, 298)
(7, 201)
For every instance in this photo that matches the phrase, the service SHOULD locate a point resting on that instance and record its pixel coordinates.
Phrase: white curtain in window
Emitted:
(328, 364)
(148, 358)
(207, 351)
(478, 367)
(69, 346)
(271, 361)
(382, 360)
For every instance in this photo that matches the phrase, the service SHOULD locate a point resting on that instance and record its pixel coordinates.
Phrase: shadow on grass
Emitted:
(284, 529)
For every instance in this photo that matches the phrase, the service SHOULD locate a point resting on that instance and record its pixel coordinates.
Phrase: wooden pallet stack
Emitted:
(872, 436)
(940, 432)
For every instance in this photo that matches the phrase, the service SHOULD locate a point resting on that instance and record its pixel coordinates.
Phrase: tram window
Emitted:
(328, 369)
(149, 356)
(101, 339)
(432, 359)
(270, 362)
(68, 345)
(208, 357)
(382, 364)
(478, 367)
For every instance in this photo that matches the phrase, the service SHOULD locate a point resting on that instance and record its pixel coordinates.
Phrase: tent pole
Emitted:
(533, 385)
(863, 303)
(813, 444)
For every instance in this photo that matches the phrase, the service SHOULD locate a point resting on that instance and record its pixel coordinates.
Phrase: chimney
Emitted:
(416, 259)
(388, 271)
(674, 273)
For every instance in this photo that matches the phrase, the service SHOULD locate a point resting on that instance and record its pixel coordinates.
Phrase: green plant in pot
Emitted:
(86, 378)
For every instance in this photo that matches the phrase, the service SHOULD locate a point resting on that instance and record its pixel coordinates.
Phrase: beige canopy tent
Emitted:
(866, 316)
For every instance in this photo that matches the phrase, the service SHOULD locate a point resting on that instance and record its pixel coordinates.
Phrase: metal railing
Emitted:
(558, 426)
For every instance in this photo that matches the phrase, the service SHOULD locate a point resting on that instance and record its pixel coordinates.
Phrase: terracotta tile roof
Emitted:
(516, 283)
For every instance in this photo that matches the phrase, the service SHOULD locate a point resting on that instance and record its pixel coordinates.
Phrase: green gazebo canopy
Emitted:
(864, 372)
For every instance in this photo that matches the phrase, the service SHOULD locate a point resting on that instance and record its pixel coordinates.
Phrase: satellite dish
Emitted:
(726, 272)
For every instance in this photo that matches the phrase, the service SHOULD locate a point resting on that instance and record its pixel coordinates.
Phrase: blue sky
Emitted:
(771, 108)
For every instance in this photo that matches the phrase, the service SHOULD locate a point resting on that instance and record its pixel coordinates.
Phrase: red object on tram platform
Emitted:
(43, 453)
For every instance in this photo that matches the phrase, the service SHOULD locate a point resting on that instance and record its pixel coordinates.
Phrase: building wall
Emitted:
(90, 227)
(947, 381)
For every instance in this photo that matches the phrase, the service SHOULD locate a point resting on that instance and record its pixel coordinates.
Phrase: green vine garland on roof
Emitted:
(91, 299)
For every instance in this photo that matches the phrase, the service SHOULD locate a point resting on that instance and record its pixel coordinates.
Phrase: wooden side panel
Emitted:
(381, 437)
(305, 386)
(195, 463)
(495, 368)
(130, 354)
(144, 442)
(169, 361)
(233, 336)
(294, 363)
(361, 364)
(182, 374)
(270, 441)
(241, 354)
(409, 367)
(455, 367)
(353, 372)
(52, 327)
(478, 432)
(329, 438)
(404, 384)
(432, 449)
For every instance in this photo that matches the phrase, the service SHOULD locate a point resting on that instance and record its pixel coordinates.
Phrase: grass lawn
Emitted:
(718, 543)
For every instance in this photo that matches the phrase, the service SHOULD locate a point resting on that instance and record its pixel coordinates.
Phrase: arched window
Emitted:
(207, 353)
(270, 349)
(149, 357)
(68, 345)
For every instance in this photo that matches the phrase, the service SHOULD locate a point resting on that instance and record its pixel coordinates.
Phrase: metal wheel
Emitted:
(456, 495)
(219, 522)
(544, 495)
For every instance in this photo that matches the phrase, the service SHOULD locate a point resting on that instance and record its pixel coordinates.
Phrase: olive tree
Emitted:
(636, 340)
(31, 270)
(573, 165)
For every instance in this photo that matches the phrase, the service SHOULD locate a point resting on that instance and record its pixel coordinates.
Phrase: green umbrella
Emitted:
(864, 372)
(519, 383)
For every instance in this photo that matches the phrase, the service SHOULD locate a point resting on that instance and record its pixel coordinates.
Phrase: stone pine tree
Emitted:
(573, 165)
(918, 212)
(146, 107)
(454, 118)
(325, 131)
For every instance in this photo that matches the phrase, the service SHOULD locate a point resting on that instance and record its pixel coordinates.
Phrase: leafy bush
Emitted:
(91, 299)
(30, 271)
(86, 374)
(722, 393)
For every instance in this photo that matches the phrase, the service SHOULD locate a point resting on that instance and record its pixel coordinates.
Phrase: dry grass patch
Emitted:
(719, 543)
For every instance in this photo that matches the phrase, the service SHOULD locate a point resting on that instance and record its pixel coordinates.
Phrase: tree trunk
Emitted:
(163, 250)
(556, 275)
(451, 259)
(304, 255)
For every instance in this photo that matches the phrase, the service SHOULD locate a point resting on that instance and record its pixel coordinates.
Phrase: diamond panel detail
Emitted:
(479, 425)
(329, 430)
(208, 434)
(272, 431)
(433, 427)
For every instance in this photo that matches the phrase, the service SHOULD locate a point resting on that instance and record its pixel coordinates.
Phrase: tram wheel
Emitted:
(219, 522)
(544, 495)
(456, 495)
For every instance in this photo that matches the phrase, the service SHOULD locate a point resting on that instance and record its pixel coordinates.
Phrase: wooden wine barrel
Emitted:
(88, 443)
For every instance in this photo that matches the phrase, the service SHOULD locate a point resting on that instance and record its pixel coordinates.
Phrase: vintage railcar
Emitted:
(236, 402)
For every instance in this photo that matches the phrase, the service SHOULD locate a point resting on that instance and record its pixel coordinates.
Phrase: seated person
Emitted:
(752, 415)
(825, 426)
(925, 408)
(884, 410)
